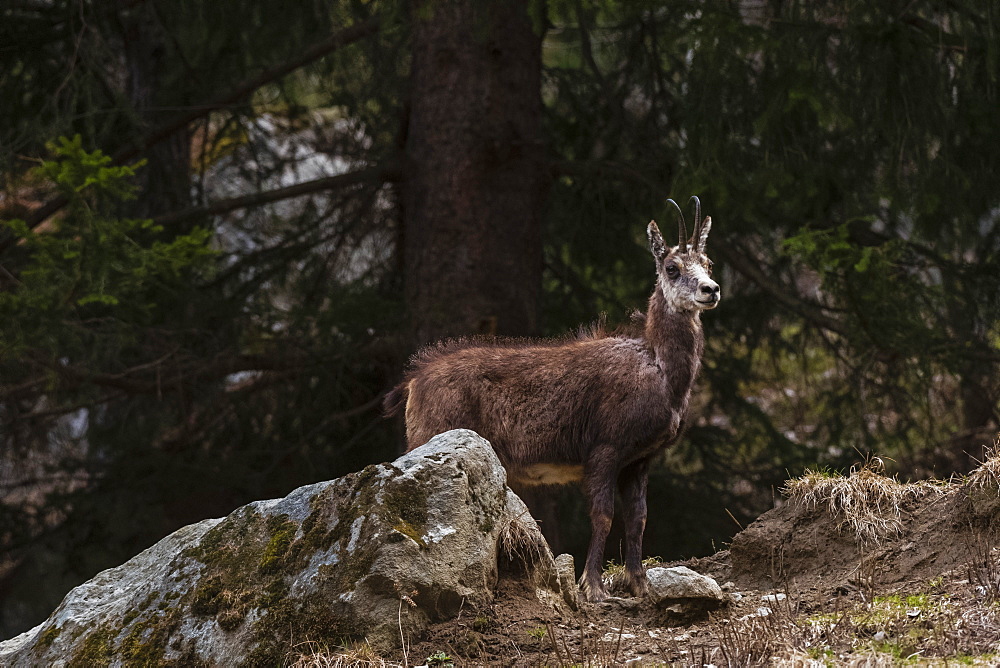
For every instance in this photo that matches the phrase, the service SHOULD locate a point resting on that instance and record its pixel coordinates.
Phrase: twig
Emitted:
(402, 640)
(618, 644)
(555, 645)
(377, 173)
(734, 519)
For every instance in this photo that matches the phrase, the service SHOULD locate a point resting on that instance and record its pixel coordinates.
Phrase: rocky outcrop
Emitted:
(370, 556)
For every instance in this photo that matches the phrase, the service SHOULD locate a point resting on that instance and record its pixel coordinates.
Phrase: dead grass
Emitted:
(986, 477)
(983, 567)
(866, 501)
(361, 655)
(889, 630)
(585, 647)
(521, 541)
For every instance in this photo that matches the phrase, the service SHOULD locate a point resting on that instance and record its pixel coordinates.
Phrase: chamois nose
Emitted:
(711, 289)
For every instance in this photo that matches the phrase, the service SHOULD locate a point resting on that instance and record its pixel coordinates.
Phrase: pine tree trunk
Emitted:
(476, 178)
(165, 180)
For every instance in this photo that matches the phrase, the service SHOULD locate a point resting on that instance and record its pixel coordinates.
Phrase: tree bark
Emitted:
(165, 180)
(475, 177)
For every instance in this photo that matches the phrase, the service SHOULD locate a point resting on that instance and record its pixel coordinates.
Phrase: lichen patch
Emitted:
(355, 533)
(438, 533)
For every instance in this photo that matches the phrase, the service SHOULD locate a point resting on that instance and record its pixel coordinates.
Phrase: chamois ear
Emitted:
(703, 234)
(656, 245)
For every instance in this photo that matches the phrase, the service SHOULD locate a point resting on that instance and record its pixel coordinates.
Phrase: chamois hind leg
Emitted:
(599, 487)
(632, 483)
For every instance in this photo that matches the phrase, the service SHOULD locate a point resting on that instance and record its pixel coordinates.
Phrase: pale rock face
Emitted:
(416, 539)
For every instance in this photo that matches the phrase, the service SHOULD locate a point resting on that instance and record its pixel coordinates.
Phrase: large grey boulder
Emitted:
(368, 556)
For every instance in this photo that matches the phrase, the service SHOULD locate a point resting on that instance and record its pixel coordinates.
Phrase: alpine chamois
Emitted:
(594, 409)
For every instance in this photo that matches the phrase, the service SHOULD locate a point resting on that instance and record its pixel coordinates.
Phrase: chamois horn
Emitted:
(682, 233)
(697, 220)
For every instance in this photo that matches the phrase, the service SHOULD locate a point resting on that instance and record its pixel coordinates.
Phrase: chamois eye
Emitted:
(710, 265)
(672, 271)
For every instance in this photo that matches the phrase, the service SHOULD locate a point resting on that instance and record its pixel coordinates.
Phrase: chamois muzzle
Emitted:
(710, 294)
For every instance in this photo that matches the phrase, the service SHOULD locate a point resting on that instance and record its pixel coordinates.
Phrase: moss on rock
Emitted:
(96, 649)
(48, 636)
(282, 534)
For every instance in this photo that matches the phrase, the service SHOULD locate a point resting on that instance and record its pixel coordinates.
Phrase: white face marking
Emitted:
(685, 282)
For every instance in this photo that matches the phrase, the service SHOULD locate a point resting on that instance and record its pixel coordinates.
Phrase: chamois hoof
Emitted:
(638, 585)
(593, 593)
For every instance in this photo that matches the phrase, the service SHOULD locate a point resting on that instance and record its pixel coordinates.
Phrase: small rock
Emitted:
(618, 604)
(773, 598)
(879, 637)
(913, 613)
(681, 583)
(566, 572)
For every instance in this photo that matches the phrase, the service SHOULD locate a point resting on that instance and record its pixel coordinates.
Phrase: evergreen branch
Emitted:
(217, 369)
(246, 88)
(379, 173)
(602, 169)
(233, 96)
(785, 295)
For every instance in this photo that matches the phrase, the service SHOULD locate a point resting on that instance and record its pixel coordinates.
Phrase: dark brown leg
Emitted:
(599, 487)
(632, 487)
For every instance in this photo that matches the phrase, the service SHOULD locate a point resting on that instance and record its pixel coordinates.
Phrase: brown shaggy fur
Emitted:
(594, 408)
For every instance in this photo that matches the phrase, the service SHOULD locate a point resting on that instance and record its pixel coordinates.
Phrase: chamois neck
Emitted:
(677, 342)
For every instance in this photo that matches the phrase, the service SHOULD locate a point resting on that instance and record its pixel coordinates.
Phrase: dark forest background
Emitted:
(228, 224)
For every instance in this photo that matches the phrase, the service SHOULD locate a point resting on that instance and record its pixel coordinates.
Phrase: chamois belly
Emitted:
(531, 475)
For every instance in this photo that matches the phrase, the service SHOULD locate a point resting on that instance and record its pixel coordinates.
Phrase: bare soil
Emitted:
(804, 590)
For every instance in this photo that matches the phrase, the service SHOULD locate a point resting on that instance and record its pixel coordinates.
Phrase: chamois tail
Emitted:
(395, 399)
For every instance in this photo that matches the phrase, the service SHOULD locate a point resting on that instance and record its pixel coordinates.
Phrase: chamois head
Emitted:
(684, 272)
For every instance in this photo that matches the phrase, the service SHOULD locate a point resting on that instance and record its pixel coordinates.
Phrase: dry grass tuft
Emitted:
(360, 655)
(866, 501)
(987, 475)
(522, 541)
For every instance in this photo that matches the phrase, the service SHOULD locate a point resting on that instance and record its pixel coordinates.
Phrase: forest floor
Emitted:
(855, 570)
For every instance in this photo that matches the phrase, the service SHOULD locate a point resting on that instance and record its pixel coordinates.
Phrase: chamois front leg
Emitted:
(632, 482)
(599, 487)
